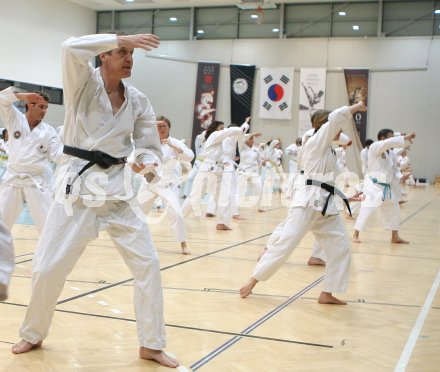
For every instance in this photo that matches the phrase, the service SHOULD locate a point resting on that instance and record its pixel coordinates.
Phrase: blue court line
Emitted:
(200, 363)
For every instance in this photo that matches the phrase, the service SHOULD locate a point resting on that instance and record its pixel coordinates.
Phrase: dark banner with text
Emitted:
(357, 90)
(242, 88)
(206, 97)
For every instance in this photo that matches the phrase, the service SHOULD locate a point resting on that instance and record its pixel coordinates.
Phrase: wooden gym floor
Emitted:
(392, 321)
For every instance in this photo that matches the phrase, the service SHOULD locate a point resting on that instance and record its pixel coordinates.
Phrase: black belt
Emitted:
(332, 190)
(94, 157)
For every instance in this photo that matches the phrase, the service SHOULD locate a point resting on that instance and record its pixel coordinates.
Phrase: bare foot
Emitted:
(24, 346)
(261, 210)
(403, 201)
(185, 249)
(209, 215)
(3, 292)
(328, 298)
(315, 261)
(355, 239)
(399, 240)
(222, 226)
(262, 253)
(159, 356)
(237, 217)
(246, 290)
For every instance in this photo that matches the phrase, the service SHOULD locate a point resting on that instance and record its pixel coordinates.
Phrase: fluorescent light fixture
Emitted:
(437, 11)
(200, 32)
(129, 1)
(173, 19)
(254, 16)
(342, 14)
(275, 30)
(355, 27)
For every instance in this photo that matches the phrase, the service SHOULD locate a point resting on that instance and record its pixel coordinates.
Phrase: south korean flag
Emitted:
(276, 93)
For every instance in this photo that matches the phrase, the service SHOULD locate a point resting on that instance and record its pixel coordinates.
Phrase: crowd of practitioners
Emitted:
(117, 164)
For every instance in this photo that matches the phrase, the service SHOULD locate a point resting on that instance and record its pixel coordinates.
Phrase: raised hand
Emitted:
(142, 41)
(34, 98)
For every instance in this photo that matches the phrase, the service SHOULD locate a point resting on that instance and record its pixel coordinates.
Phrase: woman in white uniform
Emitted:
(314, 208)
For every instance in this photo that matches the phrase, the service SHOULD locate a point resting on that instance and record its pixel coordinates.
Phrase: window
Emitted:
(136, 22)
(408, 18)
(172, 24)
(259, 24)
(217, 23)
(308, 20)
(355, 19)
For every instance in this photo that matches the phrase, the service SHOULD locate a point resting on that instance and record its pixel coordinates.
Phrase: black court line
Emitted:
(198, 329)
(20, 262)
(26, 254)
(414, 213)
(201, 362)
(162, 269)
(7, 342)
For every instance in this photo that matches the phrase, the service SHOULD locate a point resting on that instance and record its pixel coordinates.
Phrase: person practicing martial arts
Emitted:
(209, 170)
(174, 151)
(292, 154)
(314, 209)
(380, 192)
(364, 156)
(103, 117)
(33, 145)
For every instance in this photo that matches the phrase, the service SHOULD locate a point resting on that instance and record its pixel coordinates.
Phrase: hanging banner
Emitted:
(357, 89)
(242, 88)
(276, 93)
(311, 96)
(206, 97)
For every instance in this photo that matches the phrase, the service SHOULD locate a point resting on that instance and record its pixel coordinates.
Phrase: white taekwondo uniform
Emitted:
(209, 168)
(198, 147)
(168, 186)
(292, 153)
(91, 125)
(318, 162)
(248, 173)
(28, 175)
(381, 189)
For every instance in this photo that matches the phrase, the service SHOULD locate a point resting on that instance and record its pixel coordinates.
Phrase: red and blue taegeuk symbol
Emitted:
(275, 92)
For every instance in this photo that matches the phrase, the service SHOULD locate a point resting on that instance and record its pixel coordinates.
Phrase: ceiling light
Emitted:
(200, 32)
(173, 19)
(342, 14)
(254, 16)
(437, 11)
(276, 30)
(129, 1)
(355, 27)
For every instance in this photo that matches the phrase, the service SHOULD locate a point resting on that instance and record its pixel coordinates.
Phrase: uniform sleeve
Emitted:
(55, 147)
(76, 54)
(9, 114)
(338, 120)
(379, 147)
(187, 154)
(219, 136)
(145, 134)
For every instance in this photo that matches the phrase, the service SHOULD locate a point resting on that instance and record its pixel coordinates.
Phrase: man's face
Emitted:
(164, 130)
(37, 111)
(119, 62)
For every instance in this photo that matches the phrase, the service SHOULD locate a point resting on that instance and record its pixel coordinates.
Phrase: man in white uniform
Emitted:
(174, 151)
(314, 208)
(32, 145)
(364, 156)
(292, 154)
(103, 117)
(379, 192)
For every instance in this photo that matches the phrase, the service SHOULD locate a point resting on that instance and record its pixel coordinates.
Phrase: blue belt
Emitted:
(386, 187)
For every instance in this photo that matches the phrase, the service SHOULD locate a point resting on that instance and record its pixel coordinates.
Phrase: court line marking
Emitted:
(162, 269)
(414, 213)
(185, 327)
(201, 362)
(415, 332)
